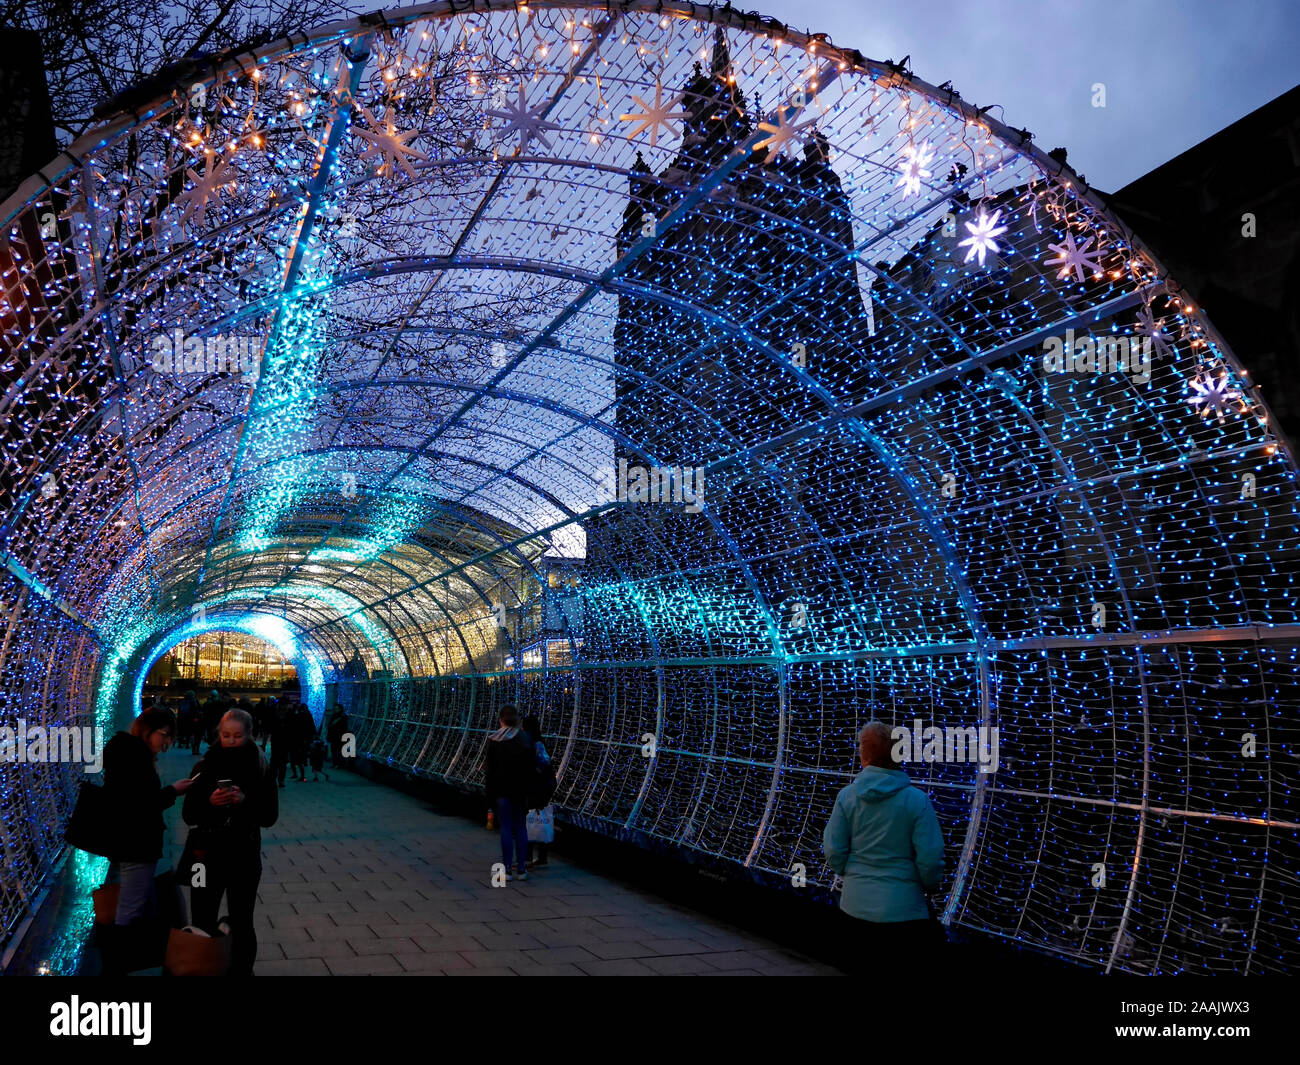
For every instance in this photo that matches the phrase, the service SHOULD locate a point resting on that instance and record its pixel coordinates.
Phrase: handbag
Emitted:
(91, 826)
(105, 897)
(541, 825)
(192, 952)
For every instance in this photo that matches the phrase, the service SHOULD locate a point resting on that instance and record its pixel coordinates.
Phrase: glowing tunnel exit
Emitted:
(309, 663)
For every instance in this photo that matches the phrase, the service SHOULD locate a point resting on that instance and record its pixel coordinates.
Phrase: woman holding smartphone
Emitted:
(131, 781)
(233, 798)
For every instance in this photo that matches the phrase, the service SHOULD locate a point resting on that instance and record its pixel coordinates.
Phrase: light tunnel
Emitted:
(700, 386)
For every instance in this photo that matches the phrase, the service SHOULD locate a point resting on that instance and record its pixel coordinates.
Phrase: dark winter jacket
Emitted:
(304, 731)
(511, 765)
(281, 735)
(131, 782)
(239, 825)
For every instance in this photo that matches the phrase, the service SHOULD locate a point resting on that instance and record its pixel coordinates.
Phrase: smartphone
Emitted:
(223, 785)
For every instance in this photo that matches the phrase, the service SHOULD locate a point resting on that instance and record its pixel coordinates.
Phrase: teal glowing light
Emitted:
(274, 630)
(392, 520)
(352, 609)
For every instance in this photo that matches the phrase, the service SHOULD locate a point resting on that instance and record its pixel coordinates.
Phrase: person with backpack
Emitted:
(511, 779)
(233, 798)
(541, 812)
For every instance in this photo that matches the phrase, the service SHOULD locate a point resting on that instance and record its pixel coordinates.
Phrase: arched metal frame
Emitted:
(983, 593)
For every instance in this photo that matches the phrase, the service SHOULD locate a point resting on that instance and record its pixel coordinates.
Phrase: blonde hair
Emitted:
(243, 717)
(246, 720)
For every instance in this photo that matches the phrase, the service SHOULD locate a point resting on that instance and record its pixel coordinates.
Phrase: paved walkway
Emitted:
(360, 879)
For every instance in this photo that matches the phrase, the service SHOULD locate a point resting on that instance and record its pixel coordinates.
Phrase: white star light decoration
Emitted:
(654, 115)
(1149, 327)
(913, 169)
(982, 232)
(783, 137)
(528, 123)
(217, 177)
(387, 140)
(1214, 394)
(1076, 257)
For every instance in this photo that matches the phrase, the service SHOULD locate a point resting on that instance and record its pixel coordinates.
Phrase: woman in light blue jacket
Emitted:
(884, 839)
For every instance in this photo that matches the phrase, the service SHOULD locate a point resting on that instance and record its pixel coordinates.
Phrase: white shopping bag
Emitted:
(541, 825)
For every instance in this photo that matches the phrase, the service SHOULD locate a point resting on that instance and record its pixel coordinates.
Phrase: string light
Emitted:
(838, 308)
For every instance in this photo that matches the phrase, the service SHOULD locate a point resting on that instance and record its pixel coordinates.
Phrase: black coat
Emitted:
(235, 827)
(304, 731)
(132, 785)
(511, 767)
(281, 736)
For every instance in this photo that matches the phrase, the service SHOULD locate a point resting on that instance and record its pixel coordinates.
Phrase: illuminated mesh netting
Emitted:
(385, 337)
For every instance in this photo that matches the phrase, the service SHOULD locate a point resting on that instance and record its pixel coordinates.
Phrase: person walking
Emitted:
(185, 719)
(541, 813)
(261, 722)
(316, 753)
(510, 778)
(213, 710)
(304, 731)
(337, 729)
(884, 839)
(281, 739)
(232, 799)
(138, 798)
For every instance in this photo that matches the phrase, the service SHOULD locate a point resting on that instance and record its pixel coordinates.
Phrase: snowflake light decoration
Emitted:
(982, 233)
(1214, 394)
(1074, 256)
(1149, 327)
(217, 177)
(529, 123)
(782, 137)
(387, 140)
(654, 115)
(913, 169)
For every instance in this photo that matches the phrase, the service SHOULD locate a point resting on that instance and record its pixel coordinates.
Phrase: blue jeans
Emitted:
(512, 816)
(135, 891)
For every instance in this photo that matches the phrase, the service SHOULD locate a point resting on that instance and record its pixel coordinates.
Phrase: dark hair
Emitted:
(533, 727)
(151, 719)
(508, 710)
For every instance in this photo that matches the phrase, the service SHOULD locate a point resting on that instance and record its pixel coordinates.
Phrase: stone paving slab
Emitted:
(363, 880)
